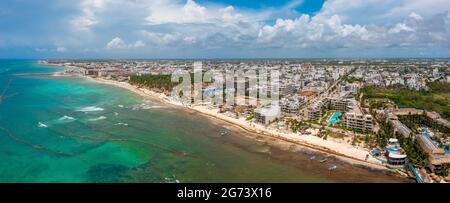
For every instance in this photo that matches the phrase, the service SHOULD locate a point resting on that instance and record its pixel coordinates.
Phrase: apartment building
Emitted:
(314, 111)
(356, 119)
(292, 105)
(287, 89)
(267, 114)
(339, 104)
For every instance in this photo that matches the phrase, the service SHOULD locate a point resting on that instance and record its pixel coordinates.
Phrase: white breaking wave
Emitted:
(158, 107)
(146, 106)
(98, 118)
(58, 74)
(120, 105)
(42, 125)
(116, 114)
(136, 107)
(171, 180)
(66, 118)
(122, 124)
(90, 109)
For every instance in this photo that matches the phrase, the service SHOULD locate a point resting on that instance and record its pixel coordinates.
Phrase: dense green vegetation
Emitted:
(384, 134)
(416, 155)
(437, 99)
(296, 125)
(440, 87)
(445, 170)
(160, 82)
(351, 79)
(415, 121)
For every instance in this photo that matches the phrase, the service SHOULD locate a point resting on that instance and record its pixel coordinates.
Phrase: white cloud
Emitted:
(119, 44)
(83, 22)
(88, 18)
(311, 30)
(293, 4)
(194, 11)
(161, 39)
(426, 8)
(415, 16)
(350, 24)
(61, 49)
(328, 29)
(399, 27)
(191, 12)
(116, 44)
(138, 44)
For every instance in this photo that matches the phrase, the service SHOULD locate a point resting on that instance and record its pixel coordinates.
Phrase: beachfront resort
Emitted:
(380, 113)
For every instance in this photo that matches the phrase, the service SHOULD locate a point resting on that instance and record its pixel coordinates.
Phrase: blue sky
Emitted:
(306, 6)
(224, 28)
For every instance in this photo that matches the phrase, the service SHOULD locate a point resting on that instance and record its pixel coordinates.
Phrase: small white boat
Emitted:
(332, 167)
(224, 132)
(312, 157)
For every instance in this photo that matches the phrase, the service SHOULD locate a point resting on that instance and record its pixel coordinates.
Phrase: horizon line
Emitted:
(249, 58)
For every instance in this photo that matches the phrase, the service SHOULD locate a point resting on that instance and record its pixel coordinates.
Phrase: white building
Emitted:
(436, 73)
(292, 105)
(267, 114)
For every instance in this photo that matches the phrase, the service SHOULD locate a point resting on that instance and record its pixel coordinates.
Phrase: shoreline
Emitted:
(343, 151)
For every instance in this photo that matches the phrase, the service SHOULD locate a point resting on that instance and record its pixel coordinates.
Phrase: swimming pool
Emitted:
(427, 133)
(335, 118)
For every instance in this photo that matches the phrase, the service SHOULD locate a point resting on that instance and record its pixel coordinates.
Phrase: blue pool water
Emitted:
(427, 133)
(335, 118)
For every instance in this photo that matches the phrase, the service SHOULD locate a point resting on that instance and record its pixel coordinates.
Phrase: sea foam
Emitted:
(90, 109)
(98, 118)
(145, 106)
(66, 118)
(42, 125)
(158, 107)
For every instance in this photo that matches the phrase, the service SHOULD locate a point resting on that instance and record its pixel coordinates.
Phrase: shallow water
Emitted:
(65, 129)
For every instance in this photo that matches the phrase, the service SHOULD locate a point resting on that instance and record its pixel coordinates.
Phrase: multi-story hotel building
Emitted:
(356, 119)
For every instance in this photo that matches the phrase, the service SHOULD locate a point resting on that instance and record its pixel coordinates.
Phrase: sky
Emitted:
(152, 29)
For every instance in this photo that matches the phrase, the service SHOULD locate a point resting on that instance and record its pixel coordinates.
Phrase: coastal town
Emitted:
(386, 114)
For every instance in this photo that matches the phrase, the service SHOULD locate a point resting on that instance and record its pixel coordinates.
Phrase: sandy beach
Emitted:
(342, 150)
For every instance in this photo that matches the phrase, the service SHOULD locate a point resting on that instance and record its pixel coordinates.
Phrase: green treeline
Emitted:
(437, 99)
(160, 82)
(415, 121)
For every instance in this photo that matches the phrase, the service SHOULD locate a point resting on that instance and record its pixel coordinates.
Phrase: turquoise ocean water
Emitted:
(69, 129)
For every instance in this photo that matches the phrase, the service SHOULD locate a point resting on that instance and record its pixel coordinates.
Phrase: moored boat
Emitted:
(332, 167)
(224, 132)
